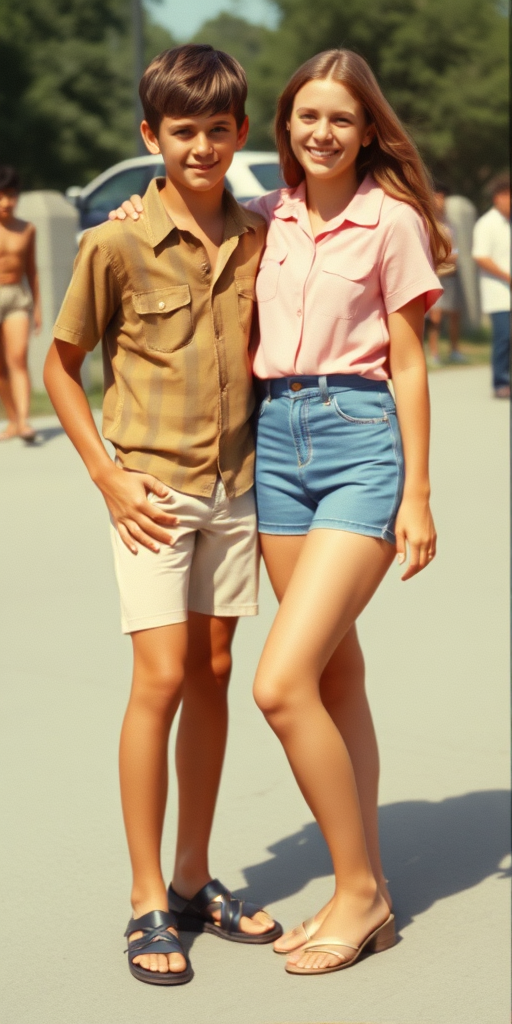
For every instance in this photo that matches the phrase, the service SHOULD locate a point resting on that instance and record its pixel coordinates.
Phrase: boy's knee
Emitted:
(159, 688)
(220, 664)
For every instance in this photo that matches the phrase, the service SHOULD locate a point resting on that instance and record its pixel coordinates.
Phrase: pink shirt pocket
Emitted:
(267, 281)
(341, 288)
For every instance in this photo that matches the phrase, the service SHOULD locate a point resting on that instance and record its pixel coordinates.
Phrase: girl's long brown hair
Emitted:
(391, 157)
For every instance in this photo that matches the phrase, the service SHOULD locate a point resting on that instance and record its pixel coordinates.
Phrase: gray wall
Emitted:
(56, 222)
(462, 213)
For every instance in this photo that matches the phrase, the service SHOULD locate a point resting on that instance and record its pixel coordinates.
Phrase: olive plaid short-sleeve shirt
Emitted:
(178, 383)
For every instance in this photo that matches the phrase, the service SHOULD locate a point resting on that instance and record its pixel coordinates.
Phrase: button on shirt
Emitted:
(491, 238)
(178, 386)
(323, 302)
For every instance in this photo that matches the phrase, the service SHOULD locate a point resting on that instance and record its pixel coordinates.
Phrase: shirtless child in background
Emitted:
(17, 261)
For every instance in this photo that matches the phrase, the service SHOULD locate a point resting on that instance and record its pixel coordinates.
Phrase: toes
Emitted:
(314, 961)
(257, 925)
(290, 941)
(295, 955)
(177, 963)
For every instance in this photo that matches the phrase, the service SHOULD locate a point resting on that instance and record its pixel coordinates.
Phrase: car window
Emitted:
(268, 175)
(119, 187)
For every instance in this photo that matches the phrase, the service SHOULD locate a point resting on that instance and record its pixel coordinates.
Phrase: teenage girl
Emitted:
(342, 478)
(341, 472)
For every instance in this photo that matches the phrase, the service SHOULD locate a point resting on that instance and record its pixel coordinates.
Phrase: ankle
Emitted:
(362, 892)
(148, 898)
(187, 883)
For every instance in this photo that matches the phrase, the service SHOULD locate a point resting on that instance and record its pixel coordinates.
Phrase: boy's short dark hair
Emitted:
(190, 80)
(500, 183)
(9, 179)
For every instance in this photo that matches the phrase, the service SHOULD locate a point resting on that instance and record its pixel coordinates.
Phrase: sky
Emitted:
(184, 17)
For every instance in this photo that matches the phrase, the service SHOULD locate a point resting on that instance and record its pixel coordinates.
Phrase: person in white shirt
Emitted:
(450, 302)
(491, 252)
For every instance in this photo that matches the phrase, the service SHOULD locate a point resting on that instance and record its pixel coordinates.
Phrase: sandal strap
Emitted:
(155, 938)
(316, 947)
(206, 902)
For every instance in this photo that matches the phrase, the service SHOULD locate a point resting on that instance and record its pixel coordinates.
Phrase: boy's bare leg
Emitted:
(11, 429)
(16, 331)
(158, 672)
(200, 748)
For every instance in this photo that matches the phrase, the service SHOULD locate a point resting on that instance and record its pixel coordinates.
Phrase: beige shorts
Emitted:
(211, 568)
(14, 300)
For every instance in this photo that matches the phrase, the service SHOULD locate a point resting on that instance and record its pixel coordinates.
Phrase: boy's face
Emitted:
(440, 201)
(501, 201)
(8, 200)
(197, 151)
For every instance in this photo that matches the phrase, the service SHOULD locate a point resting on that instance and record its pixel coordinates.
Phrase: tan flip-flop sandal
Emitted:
(308, 932)
(380, 939)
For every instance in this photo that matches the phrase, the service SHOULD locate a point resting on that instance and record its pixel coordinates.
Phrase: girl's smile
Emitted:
(327, 128)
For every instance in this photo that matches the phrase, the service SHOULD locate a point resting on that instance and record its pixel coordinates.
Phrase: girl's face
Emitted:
(327, 128)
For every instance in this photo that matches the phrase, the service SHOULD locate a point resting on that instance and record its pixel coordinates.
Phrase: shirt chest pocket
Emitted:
(246, 297)
(341, 288)
(166, 316)
(269, 273)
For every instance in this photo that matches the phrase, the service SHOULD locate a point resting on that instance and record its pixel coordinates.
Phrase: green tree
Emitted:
(247, 43)
(66, 93)
(442, 65)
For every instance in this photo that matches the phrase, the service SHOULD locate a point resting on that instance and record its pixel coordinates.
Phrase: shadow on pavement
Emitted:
(429, 850)
(45, 434)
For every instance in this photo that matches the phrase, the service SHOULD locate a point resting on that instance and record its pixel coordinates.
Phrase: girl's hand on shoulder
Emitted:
(415, 530)
(131, 207)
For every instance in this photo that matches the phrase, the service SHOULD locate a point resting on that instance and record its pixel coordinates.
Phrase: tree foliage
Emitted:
(442, 64)
(66, 90)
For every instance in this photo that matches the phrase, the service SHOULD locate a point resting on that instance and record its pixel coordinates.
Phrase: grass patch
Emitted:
(40, 404)
(477, 353)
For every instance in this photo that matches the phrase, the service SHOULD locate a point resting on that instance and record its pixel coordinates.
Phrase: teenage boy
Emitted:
(17, 261)
(172, 296)
(491, 252)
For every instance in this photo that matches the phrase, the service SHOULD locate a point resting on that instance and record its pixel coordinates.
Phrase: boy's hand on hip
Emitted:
(415, 528)
(136, 519)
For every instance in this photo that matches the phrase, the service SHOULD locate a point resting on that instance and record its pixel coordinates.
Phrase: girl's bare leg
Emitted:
(11, 429)
(334, 578)
(16, 331)
(343, 694)
(158, 672)
(200, 748)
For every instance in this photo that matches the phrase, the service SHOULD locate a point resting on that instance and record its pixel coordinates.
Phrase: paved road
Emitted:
(437, 674)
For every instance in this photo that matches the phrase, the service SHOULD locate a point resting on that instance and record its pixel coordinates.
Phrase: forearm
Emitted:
(413, 411)
(64, 385)
(33, 283)
(490, 267)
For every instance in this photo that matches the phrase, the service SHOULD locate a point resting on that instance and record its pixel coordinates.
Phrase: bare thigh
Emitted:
(324, 581)
(16, 332)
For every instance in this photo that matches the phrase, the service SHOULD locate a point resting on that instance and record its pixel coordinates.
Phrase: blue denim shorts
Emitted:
(328, 455)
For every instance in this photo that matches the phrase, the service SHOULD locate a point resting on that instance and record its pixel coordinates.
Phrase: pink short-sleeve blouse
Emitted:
(323, 302)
